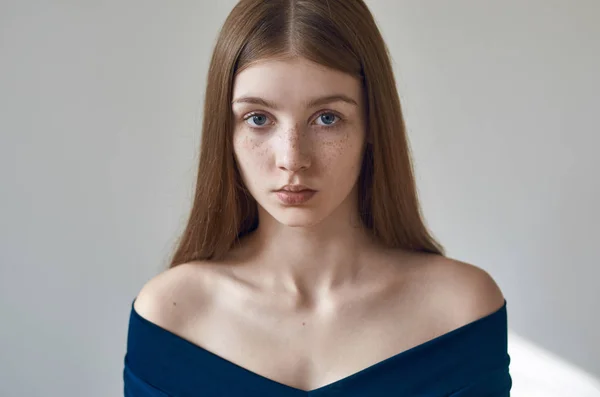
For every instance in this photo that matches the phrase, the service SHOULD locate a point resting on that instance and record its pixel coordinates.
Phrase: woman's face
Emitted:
(299, 123)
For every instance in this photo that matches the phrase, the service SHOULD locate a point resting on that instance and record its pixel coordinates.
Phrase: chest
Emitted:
(305, 349)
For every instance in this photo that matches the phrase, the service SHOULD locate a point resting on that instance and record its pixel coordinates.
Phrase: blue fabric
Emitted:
(471, 361)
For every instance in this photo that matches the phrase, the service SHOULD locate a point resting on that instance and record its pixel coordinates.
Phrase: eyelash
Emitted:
(335, 125)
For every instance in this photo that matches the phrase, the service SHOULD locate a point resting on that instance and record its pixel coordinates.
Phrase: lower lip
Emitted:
(295, 197)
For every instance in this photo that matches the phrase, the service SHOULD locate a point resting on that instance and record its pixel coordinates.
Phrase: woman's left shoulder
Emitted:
(466, 291)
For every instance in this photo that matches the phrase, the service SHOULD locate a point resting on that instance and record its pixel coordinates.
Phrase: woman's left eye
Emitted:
(327, 119)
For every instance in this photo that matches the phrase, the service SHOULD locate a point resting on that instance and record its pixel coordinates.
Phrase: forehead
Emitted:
(294, 79)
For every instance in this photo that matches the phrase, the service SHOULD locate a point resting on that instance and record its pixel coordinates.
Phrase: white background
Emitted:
(100, 109)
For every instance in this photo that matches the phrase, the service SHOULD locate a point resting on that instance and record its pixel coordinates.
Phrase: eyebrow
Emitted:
(312, 103)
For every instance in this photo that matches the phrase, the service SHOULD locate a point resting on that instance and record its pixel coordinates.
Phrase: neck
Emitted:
(308, 261)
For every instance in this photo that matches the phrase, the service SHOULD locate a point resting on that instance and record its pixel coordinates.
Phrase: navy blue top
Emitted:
(471, 361)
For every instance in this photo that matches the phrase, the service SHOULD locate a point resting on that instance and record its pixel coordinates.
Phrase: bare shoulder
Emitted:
(170, 297)
(471, 291)
(463, 291)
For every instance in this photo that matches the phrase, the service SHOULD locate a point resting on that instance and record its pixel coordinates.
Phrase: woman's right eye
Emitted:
(257, 120)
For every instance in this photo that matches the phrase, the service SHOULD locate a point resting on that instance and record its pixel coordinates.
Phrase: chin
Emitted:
(307, 215)
(300, 216)
(296, 217)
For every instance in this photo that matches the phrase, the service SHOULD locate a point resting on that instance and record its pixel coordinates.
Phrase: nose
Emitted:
(293, 153)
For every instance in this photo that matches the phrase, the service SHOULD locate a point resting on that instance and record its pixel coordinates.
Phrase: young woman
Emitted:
(306, 268)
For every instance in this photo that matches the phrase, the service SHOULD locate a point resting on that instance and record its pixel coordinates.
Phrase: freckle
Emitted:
(174, 304)
(303, 323)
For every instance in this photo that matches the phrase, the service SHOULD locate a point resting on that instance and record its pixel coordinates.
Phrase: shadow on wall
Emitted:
(538, 373)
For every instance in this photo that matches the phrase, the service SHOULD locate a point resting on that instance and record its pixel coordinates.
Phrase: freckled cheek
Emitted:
(252, 155)
(337, 153)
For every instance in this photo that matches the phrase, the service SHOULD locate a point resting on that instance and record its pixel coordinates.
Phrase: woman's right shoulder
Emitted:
(171, 297)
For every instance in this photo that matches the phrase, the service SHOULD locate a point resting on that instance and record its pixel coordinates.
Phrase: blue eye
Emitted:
(328, 119)
(258, 119)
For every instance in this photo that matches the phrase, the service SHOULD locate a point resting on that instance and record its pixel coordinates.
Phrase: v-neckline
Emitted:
(332, 385)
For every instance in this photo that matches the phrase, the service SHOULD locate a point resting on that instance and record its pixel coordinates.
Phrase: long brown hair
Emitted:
(339, 34)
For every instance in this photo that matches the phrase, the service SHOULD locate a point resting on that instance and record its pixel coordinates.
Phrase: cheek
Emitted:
(251, 154)
(343, 151)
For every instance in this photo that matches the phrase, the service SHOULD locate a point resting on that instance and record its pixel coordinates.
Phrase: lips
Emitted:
(295, 198)
(295, 189)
